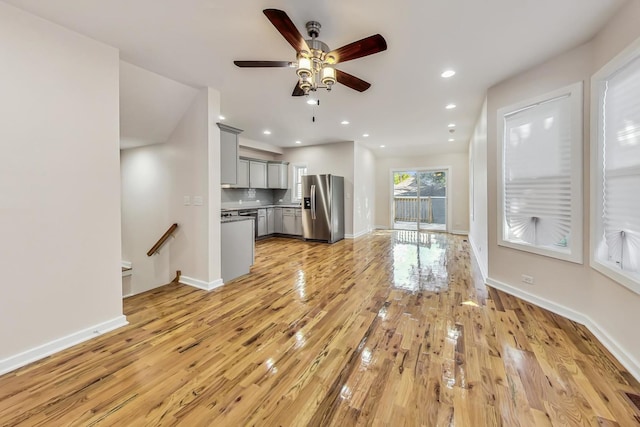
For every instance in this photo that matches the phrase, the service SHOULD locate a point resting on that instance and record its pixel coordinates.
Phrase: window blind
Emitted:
(537, 175)
(620, 162)
(299, 171)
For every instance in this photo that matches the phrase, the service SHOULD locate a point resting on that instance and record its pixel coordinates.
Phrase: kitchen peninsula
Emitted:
(237, 238)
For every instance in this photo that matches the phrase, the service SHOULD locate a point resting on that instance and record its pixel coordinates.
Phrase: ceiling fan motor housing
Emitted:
(313, 29)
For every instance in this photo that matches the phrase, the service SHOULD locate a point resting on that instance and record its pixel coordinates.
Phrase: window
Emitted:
(540, 175)
(615, 218)
(296, 189)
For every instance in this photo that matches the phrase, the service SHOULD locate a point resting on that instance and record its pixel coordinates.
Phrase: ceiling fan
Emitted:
(315, 62)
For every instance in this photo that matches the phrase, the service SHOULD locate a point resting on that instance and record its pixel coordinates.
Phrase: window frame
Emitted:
(295, 183)
(575, 247)
(624, 58)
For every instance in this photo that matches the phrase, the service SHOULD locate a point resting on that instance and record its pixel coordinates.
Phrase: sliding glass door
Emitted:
(419, 200)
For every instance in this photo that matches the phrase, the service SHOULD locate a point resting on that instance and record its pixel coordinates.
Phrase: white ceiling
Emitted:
(150, 106)
(485, 41)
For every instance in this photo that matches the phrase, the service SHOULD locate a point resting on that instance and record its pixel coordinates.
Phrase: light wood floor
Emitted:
(391, 329)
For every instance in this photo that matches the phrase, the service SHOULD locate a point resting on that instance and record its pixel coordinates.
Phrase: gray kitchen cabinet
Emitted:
(288, 221)
(262, 222)
(257, 174)
(228, 154)
(298, 222)
(243, 174)
(270, 221)
(238, 243)
(277, 220)
(277, 174)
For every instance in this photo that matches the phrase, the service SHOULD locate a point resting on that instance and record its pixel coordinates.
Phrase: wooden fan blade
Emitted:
(352, 81)
(367, 46)
(297, 91)
(283, 24)
(254, 64)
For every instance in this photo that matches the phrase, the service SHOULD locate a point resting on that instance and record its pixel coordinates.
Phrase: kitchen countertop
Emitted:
(235, 219)
(242, 208)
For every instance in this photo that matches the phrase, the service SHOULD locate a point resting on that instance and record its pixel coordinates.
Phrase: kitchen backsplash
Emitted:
(234, 197)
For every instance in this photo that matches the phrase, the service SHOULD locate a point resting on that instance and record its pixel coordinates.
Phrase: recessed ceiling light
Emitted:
(451, 139)
(221, 117)
(452, 125)
(450, 106)
(382, 146)
(311, 101)
(298, 142)
(365, 135)
(267, 132)
(344, 122)
(448, 73)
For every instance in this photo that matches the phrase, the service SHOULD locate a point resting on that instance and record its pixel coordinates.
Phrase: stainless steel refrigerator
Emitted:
(323, 207)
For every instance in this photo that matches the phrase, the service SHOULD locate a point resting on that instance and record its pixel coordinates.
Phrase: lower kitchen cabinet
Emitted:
(288, 221)
(262, 222)
(298, 223)
(277, 220)
(292, 221)
(270, 221)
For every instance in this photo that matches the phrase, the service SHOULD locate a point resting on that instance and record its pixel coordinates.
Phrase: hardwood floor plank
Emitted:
(393, 328)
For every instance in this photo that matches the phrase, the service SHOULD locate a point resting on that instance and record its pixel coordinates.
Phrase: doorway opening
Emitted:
(420, 199)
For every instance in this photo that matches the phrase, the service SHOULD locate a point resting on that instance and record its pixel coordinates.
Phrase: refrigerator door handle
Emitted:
(313, 201)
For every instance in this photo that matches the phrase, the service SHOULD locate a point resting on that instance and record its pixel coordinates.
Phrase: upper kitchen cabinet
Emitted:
(277, 174)
(243, 173)
(257, 174)
(228, 154)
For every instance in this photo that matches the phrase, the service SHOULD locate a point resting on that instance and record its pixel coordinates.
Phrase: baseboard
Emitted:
(381, 227)
(355, 236)
(540, 302)
(630, 363)
(21, 359)
(476, 254)
(460, 232)
(125, 264)
(200, 284)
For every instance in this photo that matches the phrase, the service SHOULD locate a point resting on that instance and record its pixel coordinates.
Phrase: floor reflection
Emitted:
(420, 261)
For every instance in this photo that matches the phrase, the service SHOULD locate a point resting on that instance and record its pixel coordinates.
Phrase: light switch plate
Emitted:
(186, 200)
(197, 200)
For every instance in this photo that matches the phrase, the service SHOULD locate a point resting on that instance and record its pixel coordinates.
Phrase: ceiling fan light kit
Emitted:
(315, 62)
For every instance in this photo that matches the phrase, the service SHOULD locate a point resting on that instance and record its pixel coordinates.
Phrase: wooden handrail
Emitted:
(162, 240)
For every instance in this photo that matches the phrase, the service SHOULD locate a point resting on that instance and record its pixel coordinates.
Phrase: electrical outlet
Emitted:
(527, 279)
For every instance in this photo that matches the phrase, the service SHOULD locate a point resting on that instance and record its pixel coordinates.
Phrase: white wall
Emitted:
(608, 308)
(458, 185)
(151, 106)
(193, 155)
(258, 146)
(59, 187)
(214, 196)
(478, 220)
(335, 159)
(363, 190)
(145, 216)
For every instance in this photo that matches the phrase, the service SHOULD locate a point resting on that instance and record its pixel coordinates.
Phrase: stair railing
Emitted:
(162, 240)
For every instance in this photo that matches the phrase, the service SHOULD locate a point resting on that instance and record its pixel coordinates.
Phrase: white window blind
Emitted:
(298, 172)
(618, 212)
(541, 175)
